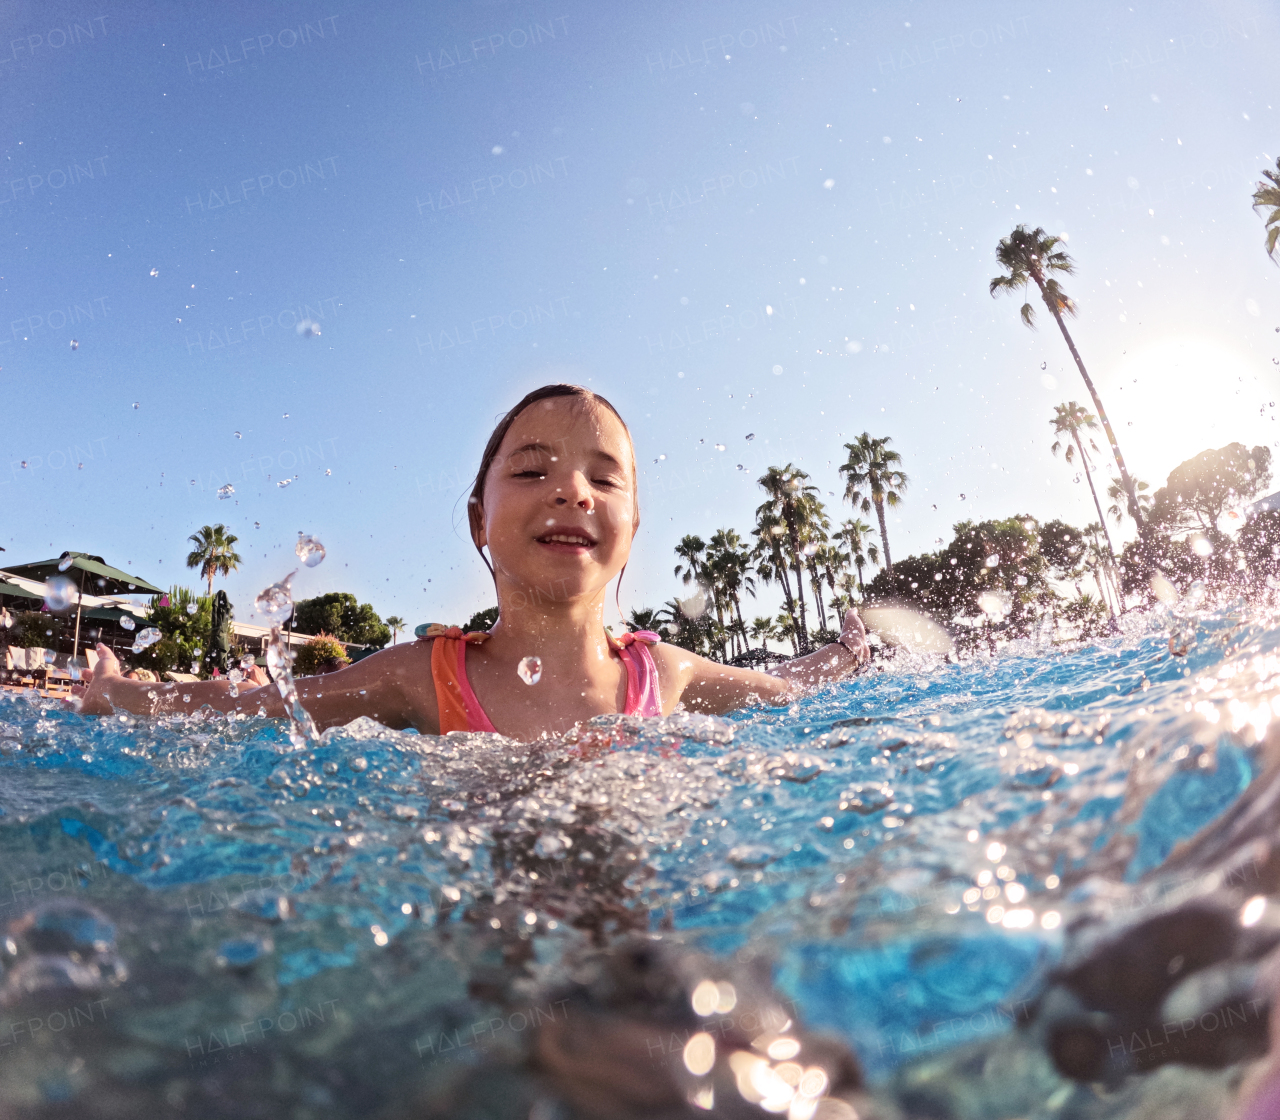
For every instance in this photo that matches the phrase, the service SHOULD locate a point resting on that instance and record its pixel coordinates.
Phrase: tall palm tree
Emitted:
(791, 499)
(644, 619)
(1270, 196)
(1115, 492)
(1030, 257)
(873, 477)
(728, 563)
(855, 533)
(767, 556)
(786, 625)
(213, 553)
(764, 628)
(1069, 421)
(690, 550)
(396, 623)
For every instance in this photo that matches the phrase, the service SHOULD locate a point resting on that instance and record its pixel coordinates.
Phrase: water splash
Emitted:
(530, 669)
(275, 604)
(309, 550)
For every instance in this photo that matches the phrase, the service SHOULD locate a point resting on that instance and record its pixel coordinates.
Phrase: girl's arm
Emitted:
(387, 686)
(706, 686)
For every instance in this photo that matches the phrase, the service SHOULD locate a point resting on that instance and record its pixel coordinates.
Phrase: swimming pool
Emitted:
(220, 923)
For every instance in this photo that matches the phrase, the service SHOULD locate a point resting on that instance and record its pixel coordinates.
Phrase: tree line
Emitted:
(995, 576)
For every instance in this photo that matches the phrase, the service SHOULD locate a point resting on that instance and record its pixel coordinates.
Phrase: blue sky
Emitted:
(750, 218)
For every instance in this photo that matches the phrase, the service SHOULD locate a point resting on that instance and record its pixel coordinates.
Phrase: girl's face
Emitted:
(559, 508)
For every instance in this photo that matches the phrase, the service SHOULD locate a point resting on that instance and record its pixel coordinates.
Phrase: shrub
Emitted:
(318, 655)
(30, 630)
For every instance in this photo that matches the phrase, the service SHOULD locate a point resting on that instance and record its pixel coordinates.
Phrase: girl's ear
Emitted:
(475, 519)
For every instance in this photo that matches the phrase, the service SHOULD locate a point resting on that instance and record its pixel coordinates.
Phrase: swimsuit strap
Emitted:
(459, 707)
(643, 695)
(456, 702)
(429, 630)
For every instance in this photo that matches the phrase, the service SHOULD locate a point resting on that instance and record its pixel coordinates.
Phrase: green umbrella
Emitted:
(7, 588)
(102, 578)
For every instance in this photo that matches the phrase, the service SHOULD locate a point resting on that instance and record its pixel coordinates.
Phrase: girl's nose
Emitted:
(579, 493)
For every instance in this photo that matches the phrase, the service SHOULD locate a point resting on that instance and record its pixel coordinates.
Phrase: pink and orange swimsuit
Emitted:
(460, 710)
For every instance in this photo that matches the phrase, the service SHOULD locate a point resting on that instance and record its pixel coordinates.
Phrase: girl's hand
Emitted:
(96, 701)
(853, 636)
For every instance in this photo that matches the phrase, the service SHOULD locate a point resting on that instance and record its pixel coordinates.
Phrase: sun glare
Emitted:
(1175, 398)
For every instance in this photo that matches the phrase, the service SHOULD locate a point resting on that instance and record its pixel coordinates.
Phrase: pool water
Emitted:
(205, 920)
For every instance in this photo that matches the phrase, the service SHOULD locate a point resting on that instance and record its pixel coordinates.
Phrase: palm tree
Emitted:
(690, 550)
(1028, 257)
(873, 477)
(763, 629)
(396, 623)
(786, 625)
(1115, 491)
(792, 500)
(770, 564)
(1270, 196)
(855, 533)
(645, 619)
(728, 565)
(213, 553)
(1070, 420)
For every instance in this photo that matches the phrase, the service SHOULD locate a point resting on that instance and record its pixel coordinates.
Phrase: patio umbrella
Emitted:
(102, 577)
(220, 634)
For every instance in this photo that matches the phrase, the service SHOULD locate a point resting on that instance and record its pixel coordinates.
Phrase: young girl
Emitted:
(555, 504)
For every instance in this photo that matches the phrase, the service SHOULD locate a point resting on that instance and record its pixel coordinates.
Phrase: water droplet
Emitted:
(257, 524)
(962, 497)
(284, 482)
(661, 458)
(127, 623)
(777, 371)
(155, 272)
(226, 491)
(235, 676)
(751, 435)
(993, 560)
(719, 446)
(75, 345)
(192, 608)
(496, 149)
(309, 550)
(186, 696)
(65, 563)
(530, 669)
(308, 328)
(234, 690)
(59, 593)
(276, 602)
(994, 604)
(147, 637)
(247, 662)
(359, 764)
(135, 404)
(238, 435)
(741, 467)
(1044, 365)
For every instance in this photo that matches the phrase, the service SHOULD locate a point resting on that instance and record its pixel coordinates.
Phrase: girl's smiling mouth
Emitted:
(565, 539)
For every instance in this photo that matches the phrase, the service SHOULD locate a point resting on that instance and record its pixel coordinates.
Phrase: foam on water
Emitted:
(906, 847)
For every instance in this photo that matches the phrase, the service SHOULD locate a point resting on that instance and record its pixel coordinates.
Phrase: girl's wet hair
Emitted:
(547, 392)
